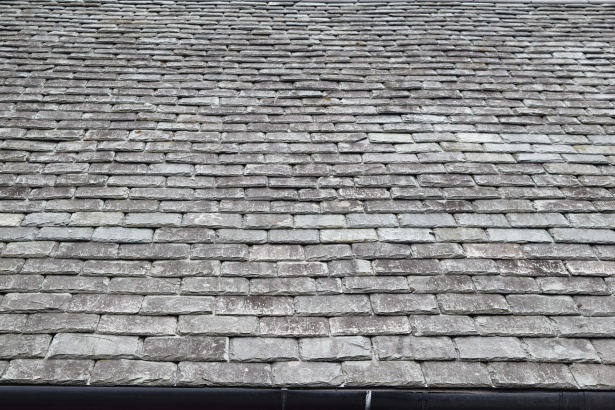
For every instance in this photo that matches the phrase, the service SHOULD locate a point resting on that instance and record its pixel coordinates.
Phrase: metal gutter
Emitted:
(186, 398)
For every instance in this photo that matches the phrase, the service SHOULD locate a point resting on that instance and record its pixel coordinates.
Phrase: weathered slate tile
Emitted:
(176, 305)
(217, 325)
(369, 373)
(88, 250)
(489, 348)
(183, 268)
(294, 326)
(391, 304)
(215, 286)
(229, 252)
(559, 251)
(130, 372)
(311, 374)
(254, 305)
(532, 268)
(276, 252)
(154, 251)
(502, 284)
(197, 348)
(561, 350)
(122, 235)
(12, 322)
(541, 305)
(327, 252)
(103, 303)
(115, 268)
(335, 348)
(414, 348)
(442, 325)
(406, 267)
(341, 305)
(456, 374)
(11, 265)
(52, 266)
(283, 286)
(41, 371)
(137, 325)
(592, 376)
(473, 304)
(591, 268)
(369, 325)
(262, 349)
(605, 349)
(38, 249)
(302, 269)
(248, 269)
(532, 375)
(571, 326)
(346, 267)
(538, 326)
(93, 346)
(574, 285)
(60, 322)
(144, 286)
(34, 302)
(23, 346)
(224, 374)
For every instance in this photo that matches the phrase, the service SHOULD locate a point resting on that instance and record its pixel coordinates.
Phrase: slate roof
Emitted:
(300, 194)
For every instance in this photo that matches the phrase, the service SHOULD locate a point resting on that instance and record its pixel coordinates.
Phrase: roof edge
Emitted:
(136, 398)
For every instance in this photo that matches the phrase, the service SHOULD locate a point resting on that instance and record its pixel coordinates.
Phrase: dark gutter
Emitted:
(151, 398)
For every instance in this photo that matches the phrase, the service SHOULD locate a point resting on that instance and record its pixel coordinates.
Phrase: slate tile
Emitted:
(298, 373)
(224, 374)
(369, 373)
(192, 348)
(261, 349)
(137, 325)
(532, 326)
(92, 346)
(41, 371)
(489, 348)
(561, 350)
(24, 346)
(519, 375)
(217, 325)
(414, 348)
(456, 374)
(130, 372)
(592, 376)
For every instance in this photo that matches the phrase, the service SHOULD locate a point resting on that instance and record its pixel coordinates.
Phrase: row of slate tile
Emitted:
(387, 252)
(162, 299)
(91, 198)
(303, 286)
(291, 265)
(320, 286)
(305, 236)
(492, 219)
(312, 374)
(120, 322)
(336, 349)
(25, 225)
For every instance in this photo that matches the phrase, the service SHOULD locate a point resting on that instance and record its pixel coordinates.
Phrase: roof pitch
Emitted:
(257, 194)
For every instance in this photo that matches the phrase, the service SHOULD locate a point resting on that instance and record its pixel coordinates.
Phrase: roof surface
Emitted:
(281, 194)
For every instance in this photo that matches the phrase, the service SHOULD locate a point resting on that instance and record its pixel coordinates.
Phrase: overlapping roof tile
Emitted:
(298, 194)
